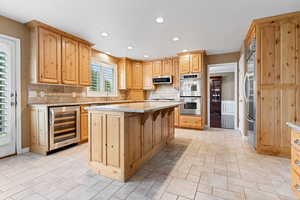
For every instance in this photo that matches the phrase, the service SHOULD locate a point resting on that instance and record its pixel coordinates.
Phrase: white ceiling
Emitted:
(217, 26)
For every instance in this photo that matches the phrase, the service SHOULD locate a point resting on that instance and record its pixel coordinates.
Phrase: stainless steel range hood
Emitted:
(162, 80)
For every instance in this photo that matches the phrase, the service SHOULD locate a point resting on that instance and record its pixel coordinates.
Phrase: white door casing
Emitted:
(8, 62)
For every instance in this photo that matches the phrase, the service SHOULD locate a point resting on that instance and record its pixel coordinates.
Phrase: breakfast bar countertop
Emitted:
(141, 107)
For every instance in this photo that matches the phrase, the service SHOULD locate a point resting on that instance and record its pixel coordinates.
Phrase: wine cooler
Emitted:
(64, 126)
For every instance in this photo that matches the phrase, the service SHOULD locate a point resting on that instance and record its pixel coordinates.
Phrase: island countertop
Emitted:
(141, 107)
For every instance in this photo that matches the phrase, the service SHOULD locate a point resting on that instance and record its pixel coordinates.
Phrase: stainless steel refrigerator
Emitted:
(250, 92)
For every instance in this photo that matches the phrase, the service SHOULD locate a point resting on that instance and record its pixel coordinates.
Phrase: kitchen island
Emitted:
(124, 136)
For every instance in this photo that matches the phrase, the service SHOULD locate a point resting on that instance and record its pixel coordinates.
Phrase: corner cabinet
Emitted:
(58, 57)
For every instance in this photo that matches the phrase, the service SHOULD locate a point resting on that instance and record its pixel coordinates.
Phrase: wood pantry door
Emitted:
(8, 61)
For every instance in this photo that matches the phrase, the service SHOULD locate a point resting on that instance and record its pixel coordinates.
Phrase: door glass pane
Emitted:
(4, 96)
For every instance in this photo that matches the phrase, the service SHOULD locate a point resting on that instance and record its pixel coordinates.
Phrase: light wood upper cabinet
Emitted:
(167, 68)
(157, 68)
(184, 64)
(58, 57)
(191, 62)
(147, 76)
(84, 65)
(69, 61)
(124, 74)
(49, 53)
(196, 63)
(137, 72)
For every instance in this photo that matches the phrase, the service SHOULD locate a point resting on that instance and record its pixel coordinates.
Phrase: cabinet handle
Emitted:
(297, 162)
(297, 142)
(297, 187)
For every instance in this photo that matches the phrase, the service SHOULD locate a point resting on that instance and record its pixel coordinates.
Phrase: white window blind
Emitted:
(3, 94)
(103, 80)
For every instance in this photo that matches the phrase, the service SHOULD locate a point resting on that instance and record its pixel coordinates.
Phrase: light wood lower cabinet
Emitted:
(120, 143)
(189, 121)
(295, 161)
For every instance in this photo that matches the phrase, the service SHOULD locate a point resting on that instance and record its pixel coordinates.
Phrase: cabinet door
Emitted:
(147, 76)
(165, 127)
(137, 70)
(195, 63)
(69, 61)
(49, 57)
(157, 68)
(113, 140)
(176, 73)
(84, 65)
(171, 117)
(167, 68)
(122, 75)
(83, 127)
(184, 64)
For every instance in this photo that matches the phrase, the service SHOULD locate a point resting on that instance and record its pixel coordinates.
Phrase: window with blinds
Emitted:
(3, 94)
(103, 80)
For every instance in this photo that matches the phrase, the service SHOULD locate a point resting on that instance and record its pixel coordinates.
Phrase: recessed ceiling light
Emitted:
(104, 34)
(130, 47)
(184, 50)
(175, 38)
(146, 56)
(159, 20)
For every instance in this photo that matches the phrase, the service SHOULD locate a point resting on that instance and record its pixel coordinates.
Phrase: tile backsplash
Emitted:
(40, 93)
(164, 92)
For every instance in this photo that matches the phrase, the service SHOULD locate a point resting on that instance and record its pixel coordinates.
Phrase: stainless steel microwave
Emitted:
(162, 80)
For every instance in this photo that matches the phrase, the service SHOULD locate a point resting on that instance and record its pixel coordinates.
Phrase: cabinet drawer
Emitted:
(190, 121)
(295, 160)
(295, 140)
(295, 183)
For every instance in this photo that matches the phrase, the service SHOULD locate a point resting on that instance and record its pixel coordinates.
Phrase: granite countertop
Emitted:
(80, 103)
(294, 126)
(141, 107)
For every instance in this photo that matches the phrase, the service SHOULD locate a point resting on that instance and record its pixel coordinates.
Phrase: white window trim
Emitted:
(90, 93)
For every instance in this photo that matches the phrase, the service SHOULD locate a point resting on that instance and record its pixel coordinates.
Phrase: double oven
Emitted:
(190, 94)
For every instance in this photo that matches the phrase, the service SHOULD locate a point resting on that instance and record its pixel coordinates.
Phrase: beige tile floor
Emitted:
(210, 165)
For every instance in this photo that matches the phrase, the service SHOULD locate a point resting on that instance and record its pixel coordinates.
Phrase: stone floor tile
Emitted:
(169, 196)
(203, 196)
(207, 189)
(182, 187)
(228, 195)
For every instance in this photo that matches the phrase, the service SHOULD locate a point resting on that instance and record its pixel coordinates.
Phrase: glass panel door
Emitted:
(7, 96)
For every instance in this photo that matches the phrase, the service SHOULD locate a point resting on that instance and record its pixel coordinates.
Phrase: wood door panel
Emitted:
(148, 135)
(288, 114)
(176, 73)
(69, 61)
(268, 44)
(268, 120)
(134, 139)
(84, 65)
(298, 104)
(157, 130)
(49, 57)
(137, 71)
(167, 68)
(288, 32)
(147, 76)
(96, 136)
(157, 68)
(184, 64)
(113, 140)
(195, 63)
